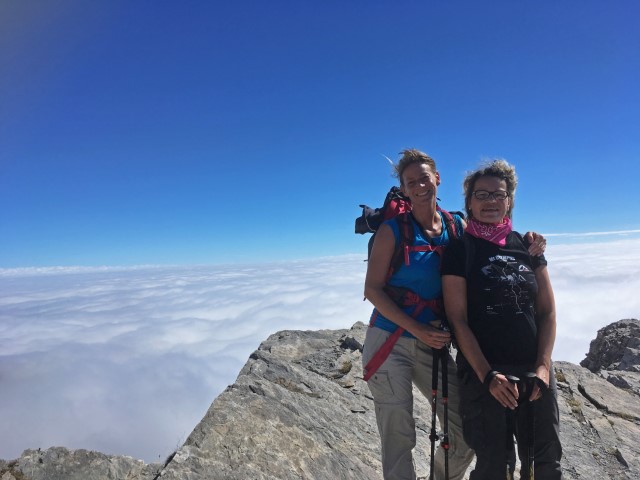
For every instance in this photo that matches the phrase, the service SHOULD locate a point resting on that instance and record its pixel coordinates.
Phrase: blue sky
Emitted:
(182, 133)
(211, 132)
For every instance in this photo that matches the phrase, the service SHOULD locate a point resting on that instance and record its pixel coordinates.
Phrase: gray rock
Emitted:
(629, 381)
(599, 426)
(616, 347)
(299, 409)
(59, 463)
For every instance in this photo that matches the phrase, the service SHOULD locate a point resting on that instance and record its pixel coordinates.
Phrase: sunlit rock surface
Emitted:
(299, 409)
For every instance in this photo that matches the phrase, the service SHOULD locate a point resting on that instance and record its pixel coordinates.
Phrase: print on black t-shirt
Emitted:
(506, 285)
(501, 296)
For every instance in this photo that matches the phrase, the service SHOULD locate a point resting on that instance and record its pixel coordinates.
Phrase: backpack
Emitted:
(395, 203)
(398, 205)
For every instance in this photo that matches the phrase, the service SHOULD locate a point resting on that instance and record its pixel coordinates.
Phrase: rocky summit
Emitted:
(299, 409)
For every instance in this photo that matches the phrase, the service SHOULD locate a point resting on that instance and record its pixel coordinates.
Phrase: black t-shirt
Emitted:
(501, 296)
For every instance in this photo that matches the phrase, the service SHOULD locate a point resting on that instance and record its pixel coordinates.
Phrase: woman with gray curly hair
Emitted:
(501, 307)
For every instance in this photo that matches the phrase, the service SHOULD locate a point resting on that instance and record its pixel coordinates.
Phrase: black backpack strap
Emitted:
(519, 236)
(469, 250)
(526, 244)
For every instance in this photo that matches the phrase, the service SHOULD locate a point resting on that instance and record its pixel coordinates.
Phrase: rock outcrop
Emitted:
(299, 409)
(615, 355)
(59, 463)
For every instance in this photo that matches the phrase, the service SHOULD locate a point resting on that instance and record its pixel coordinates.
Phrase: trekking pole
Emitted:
(444, 358)
(529, 381)
(433, 436)
(510, 449)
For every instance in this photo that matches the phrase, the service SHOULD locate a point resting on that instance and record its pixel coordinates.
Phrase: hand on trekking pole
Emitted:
(542, 383)
(432, 336)
(504, 391)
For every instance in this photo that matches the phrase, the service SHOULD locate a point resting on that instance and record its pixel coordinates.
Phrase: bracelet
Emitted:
(489, 377)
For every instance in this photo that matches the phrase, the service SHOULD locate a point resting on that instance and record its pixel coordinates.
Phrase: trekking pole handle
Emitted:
(531, 380)
(444, 326)
(512, 379)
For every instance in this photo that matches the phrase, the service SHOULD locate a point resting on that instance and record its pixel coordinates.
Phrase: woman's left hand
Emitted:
(537, 243)
(542, 373)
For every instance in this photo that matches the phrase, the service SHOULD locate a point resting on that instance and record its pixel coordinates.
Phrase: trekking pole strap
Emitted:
(488, 378)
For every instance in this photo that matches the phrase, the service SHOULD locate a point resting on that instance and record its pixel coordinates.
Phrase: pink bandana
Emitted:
(487, 231)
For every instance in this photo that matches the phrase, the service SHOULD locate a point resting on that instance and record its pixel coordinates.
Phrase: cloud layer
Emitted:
(127, 360)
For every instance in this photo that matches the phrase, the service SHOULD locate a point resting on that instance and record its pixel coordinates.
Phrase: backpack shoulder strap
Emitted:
(469, 250)
(524, 242)
(406, 231)
(450, 222)
(521, 238)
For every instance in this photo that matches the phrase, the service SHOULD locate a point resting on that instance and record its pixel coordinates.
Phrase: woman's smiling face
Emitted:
(420, 183)
(490, 210)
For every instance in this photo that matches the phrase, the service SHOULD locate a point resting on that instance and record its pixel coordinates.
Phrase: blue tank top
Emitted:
(421, 276)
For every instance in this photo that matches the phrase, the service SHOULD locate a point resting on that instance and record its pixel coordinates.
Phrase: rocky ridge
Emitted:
(615, 355)
(299, 409)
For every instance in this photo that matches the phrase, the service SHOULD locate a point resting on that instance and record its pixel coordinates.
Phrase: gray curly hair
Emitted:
(499, 168)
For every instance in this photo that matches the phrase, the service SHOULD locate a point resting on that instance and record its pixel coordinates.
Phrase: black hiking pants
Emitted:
(484, 423)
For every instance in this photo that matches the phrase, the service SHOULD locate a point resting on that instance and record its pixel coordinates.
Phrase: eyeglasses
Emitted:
(486, 195)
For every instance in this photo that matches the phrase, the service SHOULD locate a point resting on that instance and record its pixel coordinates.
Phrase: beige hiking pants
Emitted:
(410, 362)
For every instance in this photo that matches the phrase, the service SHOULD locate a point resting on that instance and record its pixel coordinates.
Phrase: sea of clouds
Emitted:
(128, 360)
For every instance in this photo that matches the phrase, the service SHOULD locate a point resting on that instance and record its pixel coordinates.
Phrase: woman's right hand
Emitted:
(505, 392)
(434, 337)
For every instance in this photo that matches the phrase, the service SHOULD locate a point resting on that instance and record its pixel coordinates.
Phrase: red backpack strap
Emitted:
(408, 298)
(405, 228)
(406, 245)
(449, 223)
(381, 355)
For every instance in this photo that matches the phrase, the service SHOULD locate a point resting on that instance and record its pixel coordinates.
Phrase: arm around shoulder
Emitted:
(537, 243)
